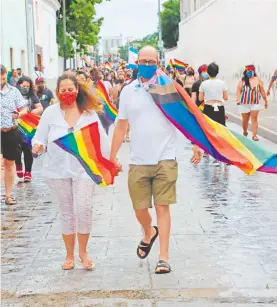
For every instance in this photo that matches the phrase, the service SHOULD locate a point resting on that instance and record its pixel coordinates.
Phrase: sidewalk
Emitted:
(267, 118)
(223, 248)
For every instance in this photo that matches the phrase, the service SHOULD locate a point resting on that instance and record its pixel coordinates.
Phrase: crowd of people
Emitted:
(153, 168)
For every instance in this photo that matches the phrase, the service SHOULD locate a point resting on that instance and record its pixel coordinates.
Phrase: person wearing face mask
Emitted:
(45, 95)
(65, 175)
(249, 90)
(203, 75)
(12, 108)
(153, 168)
(189, 80)
(26, 88)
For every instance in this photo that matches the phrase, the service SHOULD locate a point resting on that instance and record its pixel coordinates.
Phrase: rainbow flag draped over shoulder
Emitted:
(27, 127)
(85, 145)
(181, 66)
(215, 139)
(110, 111)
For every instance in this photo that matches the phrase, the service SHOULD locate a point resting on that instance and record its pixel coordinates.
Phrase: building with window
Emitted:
(188, 7)
(111, 44)
(46, 47)
(17, 36)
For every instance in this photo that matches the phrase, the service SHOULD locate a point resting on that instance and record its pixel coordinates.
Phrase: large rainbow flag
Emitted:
(215, 139)
(110, 111)
(181, 66)
(85, 145)
(27, 127)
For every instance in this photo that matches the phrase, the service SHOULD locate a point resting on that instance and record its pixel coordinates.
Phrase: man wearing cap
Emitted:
(45, 96)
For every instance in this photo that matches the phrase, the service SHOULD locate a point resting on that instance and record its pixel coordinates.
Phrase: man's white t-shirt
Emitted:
(153, 137)
(213, 89)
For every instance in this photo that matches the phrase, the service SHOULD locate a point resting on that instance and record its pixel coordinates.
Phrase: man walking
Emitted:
(153, 167)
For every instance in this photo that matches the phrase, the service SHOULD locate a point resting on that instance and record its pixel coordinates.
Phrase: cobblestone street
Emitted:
(223, 244)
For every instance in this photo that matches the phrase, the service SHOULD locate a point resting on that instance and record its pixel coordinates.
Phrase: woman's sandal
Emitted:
(245, 134)
(164, 265)
(146, 247)
(10, 201)
(68, 265)
(255, 138)
(90, 265)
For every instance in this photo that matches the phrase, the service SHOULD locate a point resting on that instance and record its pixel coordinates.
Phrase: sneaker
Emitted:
(19, 171)
(27, 177)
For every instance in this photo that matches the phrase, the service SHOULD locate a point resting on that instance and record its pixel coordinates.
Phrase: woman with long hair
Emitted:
(73, 187)
(26, 88)
(249, 90)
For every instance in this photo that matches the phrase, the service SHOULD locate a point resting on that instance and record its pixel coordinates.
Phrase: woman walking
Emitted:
(214, 92)
(26, 88)
(249, 90)
(65, 175)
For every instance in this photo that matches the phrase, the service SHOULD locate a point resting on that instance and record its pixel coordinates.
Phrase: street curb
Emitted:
(263, 131)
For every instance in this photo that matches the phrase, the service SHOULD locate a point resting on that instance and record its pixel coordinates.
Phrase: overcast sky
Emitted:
(136, 18)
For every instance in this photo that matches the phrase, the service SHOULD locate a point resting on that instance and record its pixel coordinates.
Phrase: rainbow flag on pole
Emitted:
(110, 111)
(215, 139)
(85, 145)
(27, 127)
(170, 65)
(181, 66)
(108, 66)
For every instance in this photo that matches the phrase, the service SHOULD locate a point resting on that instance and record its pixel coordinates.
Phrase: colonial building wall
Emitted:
(232, 33)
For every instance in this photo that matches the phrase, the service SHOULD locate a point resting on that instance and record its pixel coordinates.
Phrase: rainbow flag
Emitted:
(215, 139)
(27, 127)
(110, 111)
(170, 65)
(108, 66)
(85, 145)
(181, 66)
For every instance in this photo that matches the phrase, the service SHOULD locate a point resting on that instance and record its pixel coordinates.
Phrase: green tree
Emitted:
(81, 26)
(170, 18)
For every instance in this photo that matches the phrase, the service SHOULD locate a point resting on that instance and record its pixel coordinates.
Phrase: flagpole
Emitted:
(160, 42)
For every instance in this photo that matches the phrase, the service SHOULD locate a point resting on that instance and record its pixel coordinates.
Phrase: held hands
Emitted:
(117, 164)
(197, 155)
(37, 149)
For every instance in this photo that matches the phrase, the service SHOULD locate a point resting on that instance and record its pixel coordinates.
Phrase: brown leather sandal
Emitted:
(255, 138)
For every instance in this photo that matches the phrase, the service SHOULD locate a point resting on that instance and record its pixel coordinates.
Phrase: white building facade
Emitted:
(17, 35)
(46, 39)
(233, 33)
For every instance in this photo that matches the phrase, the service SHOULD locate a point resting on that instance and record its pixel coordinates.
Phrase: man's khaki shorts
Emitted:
(157, 181)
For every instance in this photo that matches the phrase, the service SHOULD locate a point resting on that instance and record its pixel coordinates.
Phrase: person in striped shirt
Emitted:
(249, 90)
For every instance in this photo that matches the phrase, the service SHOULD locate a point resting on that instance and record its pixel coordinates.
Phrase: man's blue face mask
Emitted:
(147, 71)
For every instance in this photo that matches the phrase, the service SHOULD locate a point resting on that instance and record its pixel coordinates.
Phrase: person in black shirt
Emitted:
(203, 75)
(26, 88)
(45, 96)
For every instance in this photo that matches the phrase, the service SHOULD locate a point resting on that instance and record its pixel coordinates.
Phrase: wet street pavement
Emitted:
(223, 244)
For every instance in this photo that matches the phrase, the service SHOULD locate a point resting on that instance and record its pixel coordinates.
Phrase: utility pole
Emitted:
(160, 42)
(64, 36)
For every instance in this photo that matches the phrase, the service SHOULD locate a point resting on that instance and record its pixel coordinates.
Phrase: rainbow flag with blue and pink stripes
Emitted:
(215, 139)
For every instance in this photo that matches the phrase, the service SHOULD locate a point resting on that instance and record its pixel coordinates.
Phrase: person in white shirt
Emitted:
(37, 74)
(153, 167)
(214, 92)
(64, 173)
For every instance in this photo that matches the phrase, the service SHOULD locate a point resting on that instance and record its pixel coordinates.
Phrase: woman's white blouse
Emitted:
(59, 164)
